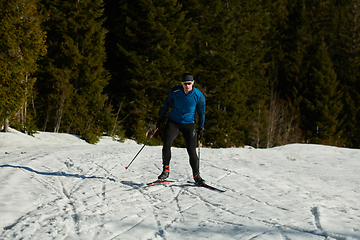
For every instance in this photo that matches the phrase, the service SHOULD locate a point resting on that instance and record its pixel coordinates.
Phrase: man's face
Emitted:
(187, 86)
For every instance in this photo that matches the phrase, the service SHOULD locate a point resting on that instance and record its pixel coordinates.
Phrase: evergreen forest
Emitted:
(273, 72)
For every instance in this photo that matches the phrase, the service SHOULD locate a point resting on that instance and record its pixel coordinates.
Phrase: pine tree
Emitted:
(295, 63)
(282, 128)
(345, 50)
(212, 53)
(252, 49)
(22, 43)
(323, 100)
(228, 52)
(307, 24)
(148, 42)
(72, 75)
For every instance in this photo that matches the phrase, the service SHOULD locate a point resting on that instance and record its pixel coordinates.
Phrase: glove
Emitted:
(200, 133)
(160, 122)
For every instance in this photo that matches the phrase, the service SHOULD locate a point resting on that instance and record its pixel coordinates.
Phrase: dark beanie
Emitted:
(187, 77)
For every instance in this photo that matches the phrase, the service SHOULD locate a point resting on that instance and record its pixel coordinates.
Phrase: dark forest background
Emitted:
(273, 71)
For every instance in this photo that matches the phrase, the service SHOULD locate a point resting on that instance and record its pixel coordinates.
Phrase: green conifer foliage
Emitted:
(251, 49)
(72, 77)
(295, 64)
(22, 43)
(212, 41)
(345, 50)
(305, 67)
(148, 42)
(228, 53)
(323, 100)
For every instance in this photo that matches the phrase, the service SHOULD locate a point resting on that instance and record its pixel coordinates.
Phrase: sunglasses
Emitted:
(187, 83)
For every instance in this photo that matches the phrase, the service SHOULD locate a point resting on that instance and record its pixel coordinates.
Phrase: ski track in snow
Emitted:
(84, 192)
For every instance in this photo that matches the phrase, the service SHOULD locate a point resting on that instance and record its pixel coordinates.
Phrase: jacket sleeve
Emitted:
(167, 104)
(200, 108)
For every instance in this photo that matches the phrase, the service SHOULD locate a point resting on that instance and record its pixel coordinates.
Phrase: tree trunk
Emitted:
(6, 125)
(59, 113)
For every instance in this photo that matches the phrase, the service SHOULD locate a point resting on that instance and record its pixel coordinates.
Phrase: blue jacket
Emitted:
(184, 107)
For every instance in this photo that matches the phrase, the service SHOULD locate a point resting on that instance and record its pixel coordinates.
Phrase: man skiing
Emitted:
(186, 101)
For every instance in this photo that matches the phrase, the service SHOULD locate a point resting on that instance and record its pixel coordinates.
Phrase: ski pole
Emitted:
(199, 149)
(141, 148)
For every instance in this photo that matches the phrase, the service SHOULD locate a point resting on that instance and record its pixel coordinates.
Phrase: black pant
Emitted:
(172, 130)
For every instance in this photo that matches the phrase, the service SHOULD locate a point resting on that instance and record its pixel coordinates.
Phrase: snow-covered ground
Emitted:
(56, 186)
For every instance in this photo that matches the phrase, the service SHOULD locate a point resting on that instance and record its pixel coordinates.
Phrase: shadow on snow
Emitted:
(63, 174)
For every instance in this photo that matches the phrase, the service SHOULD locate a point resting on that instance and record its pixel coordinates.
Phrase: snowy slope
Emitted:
(56, 186)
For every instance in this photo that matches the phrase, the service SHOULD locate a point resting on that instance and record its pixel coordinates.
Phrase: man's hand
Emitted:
(160, 122)
(200, 133)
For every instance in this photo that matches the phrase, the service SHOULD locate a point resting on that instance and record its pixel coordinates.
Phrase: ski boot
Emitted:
(198, 180)
(165, 173)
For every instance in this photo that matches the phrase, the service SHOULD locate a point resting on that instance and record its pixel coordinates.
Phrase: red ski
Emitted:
(207, 186)
(160, 182)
